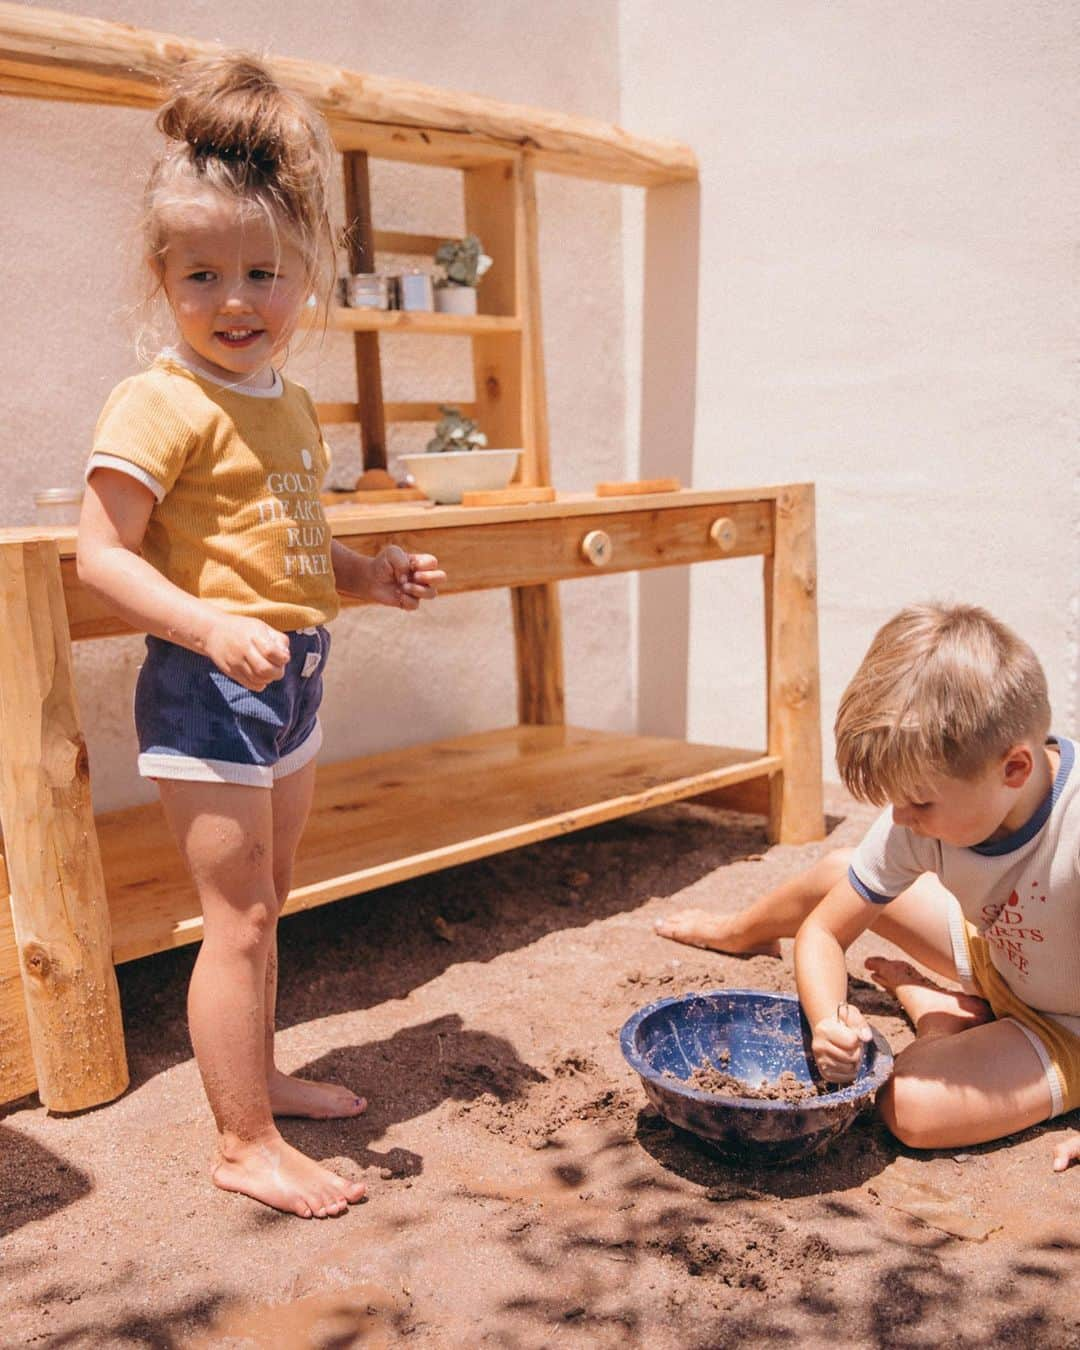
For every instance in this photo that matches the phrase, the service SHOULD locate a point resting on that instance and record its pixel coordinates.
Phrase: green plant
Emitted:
(454, 431)
(462, 262)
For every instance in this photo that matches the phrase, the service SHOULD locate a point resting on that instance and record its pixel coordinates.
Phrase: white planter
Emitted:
(455, 299)
(445, 475)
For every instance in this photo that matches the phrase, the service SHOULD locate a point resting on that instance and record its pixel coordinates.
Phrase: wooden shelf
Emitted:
(422, 321)
(400, 814)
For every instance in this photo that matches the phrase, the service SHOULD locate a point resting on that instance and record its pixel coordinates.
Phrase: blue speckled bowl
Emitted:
(765, 1035)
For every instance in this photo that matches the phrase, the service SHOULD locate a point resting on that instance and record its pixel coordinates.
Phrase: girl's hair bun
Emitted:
(231, 108)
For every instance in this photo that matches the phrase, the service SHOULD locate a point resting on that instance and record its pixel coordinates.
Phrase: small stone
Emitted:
(539, 1143)
(387, 1173)
(442, 929)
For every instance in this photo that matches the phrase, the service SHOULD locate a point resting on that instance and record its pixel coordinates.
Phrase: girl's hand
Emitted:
(248, 651)
(1067, 1151)
(404, 579)
(838, 1043)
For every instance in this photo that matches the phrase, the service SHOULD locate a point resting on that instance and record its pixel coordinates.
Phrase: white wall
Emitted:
(72, 178)
(887, 306)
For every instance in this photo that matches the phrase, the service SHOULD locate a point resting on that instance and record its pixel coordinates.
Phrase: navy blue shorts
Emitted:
(198, 724)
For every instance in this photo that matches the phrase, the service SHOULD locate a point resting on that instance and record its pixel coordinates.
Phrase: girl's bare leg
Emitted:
(289, 1096)
(225, 833)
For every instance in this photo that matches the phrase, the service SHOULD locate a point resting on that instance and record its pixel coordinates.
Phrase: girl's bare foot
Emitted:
(318, 1101)
(283, 1178)
(932, 1009)
(715, 932)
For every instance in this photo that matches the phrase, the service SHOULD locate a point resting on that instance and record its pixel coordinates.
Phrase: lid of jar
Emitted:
(52, 496)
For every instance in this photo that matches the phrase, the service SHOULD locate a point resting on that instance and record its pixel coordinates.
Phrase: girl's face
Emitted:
(235, 286)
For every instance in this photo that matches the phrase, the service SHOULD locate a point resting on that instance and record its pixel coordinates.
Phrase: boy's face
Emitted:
(968, 811)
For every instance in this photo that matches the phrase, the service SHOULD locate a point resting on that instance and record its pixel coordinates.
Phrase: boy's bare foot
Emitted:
(921, 998)
(318, 1101)
(715, 932)
(283, 1178)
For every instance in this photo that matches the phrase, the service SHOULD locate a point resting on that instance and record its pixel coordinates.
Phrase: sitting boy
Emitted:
(974, 870)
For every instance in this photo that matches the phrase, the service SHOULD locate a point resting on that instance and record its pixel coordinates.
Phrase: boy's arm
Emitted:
(839, 1030)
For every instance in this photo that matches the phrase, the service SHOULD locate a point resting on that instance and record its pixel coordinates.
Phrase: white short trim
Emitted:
(961, 956)
(1057, 1091)
(101, 460)
(194, 770)
(303, 754)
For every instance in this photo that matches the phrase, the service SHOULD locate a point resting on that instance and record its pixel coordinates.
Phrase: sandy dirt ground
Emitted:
(521, 1191)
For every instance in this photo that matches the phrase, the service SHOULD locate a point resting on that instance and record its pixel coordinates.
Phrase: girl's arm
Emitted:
(392, 577)
(839, 1030)
(116, 509)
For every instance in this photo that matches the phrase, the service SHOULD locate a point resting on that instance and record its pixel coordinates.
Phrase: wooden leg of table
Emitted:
(58, 902)
(538, 643)
(796, 812)
(17, 1076)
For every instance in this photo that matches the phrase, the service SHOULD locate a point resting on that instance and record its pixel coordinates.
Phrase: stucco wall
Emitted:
(887, 306)
(72, 177)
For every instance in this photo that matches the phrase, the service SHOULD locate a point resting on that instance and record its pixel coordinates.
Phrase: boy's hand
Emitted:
(404, 579)
(248, 651)
(838, 1043)
(1067, 1151)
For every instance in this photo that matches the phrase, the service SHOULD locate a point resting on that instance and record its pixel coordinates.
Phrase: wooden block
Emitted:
(511, 496)
(373, 497)
(638, 487)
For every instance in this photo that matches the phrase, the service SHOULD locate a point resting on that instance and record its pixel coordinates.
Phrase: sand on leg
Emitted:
(225, 833)
(291, 798)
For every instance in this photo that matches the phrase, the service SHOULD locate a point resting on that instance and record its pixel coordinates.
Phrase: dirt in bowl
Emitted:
(711, 1078)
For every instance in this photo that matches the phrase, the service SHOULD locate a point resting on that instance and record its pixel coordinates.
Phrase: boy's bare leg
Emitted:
(225, 833)
(756, 929)
(933, 1011)
(289, 1096)
(951, 1091)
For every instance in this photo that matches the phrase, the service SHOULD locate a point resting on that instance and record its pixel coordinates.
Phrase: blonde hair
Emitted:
(233, 129)
(943, 689)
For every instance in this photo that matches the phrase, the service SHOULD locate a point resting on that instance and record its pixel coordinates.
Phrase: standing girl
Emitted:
(202, 525)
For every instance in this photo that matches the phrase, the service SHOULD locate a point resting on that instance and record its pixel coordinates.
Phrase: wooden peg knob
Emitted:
(596, 548)
(723, 533)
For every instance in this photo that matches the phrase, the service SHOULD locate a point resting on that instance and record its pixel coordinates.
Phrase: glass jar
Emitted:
(368, 290)
(57, 506)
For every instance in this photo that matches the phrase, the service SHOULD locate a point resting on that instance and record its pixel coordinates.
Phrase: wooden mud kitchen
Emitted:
(79, 894)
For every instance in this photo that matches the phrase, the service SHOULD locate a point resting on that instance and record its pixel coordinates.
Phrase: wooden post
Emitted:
(361, 241)
(796, 811)
(511, 404)
(58, 902)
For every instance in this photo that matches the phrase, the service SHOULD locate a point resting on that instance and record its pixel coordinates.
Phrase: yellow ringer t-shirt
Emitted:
(236, 475)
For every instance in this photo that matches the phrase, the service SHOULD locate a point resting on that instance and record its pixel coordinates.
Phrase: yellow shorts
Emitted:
(1057, 1048)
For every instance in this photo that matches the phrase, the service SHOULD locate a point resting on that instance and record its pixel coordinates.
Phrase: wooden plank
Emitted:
(566, 504)
(637, 487)
(403, 241)
(57, 891)
(360, 237)
(511, 545)
(794, 697)
(427, 412)
(370, 497)
(84, 58)
(511, 496)
(538, 655)
(419, 321)
(477, 795)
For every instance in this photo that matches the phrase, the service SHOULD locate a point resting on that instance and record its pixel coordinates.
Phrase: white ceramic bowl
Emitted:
(445, 475)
